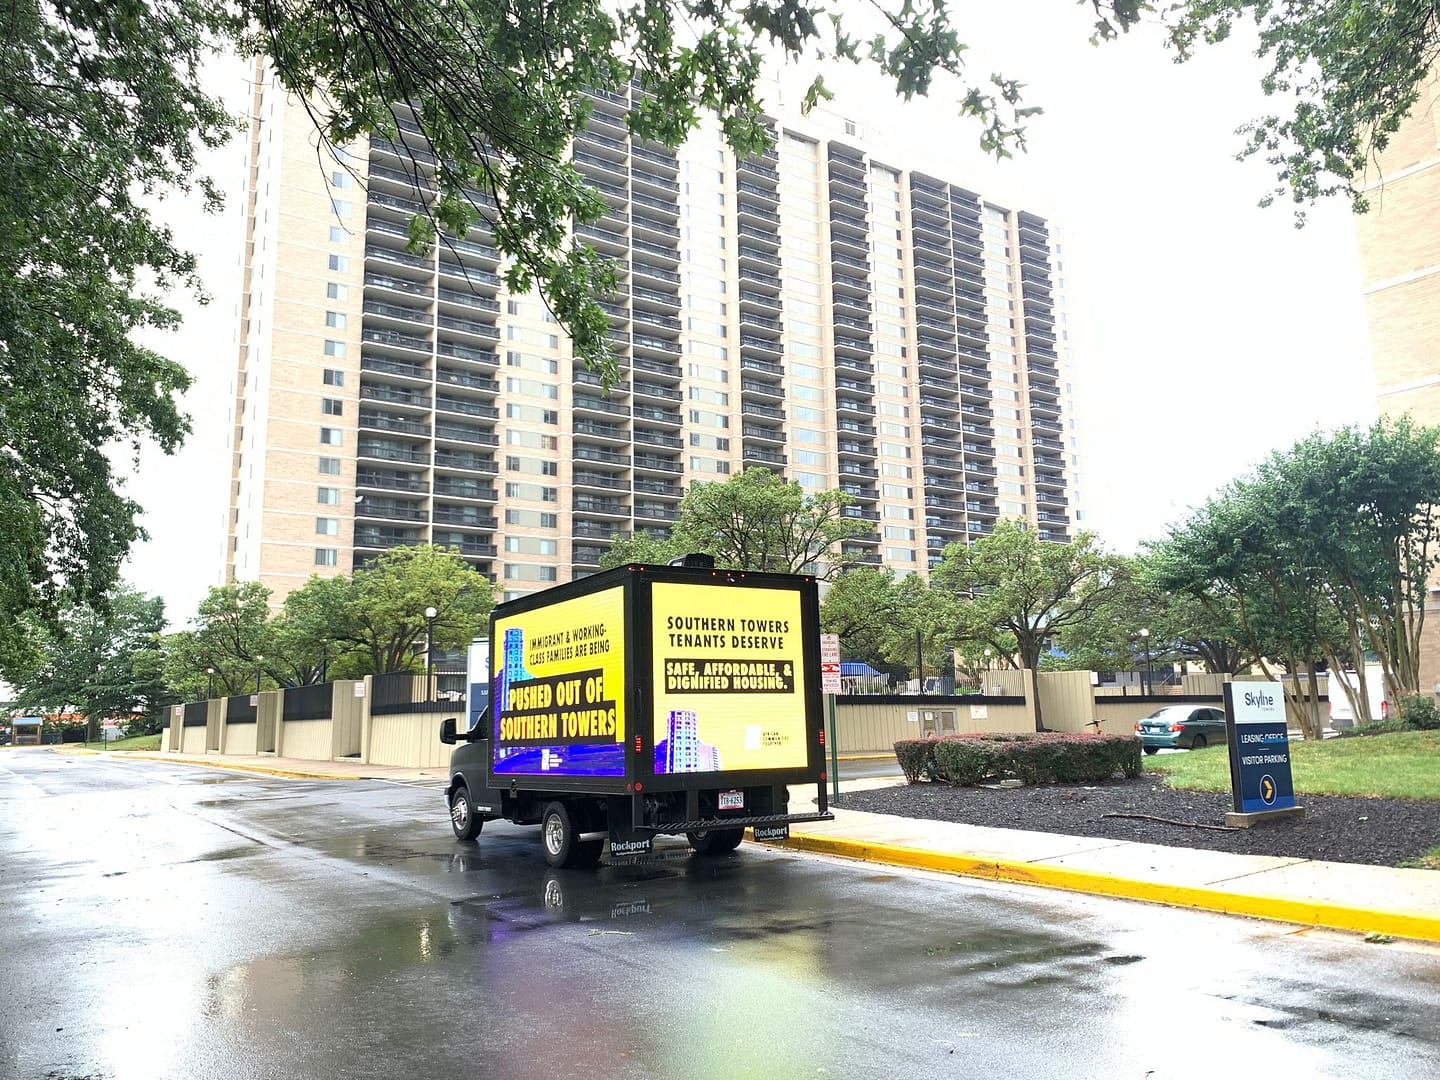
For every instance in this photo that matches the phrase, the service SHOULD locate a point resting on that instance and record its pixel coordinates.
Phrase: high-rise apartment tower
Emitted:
(818, 311)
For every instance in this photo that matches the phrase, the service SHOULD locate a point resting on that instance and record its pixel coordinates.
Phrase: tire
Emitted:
(463, 819)
(1199, 742)
(558, 835)
(1151, 749)
(715, 841)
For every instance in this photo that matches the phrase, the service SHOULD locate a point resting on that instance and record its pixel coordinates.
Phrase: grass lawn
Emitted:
(135, 742)
(1405, 765)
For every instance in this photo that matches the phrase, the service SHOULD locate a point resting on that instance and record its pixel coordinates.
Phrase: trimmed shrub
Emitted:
(916, 758)
(1419, 712)
(1042, 758)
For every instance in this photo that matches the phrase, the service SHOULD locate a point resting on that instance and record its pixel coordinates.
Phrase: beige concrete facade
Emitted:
(1400, 264)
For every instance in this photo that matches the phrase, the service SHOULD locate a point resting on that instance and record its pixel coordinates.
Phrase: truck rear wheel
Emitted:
(560, 835)
(715, 841)
(463, 819)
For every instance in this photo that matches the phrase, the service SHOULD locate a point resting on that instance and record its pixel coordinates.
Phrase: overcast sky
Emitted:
(1206, 331)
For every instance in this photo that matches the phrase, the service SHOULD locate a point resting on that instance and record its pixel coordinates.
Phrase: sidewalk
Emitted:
(1342, 896)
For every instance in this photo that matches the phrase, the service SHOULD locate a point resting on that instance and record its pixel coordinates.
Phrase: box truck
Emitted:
(645, 701)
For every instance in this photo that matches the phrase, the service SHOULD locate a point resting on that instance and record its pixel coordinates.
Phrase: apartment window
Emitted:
(706, 371)
(340, 207)
(531, 466)
(329, 466)
(807, 414)
(532, 337)
(889, 408)
(709, 397)
(335, 320)
(339, 234)
(899, 513)
(808, 435)
(531, 492)
(808, 457)
(532, 388)
(327, 557)
(530, 545)
(537, 519)
(332, 406)
(805, 371)
(327, 526)
(897, 491)
(334, 348)
(330, 436)
(709, 442)
(530, 573)
(532, 414)
(332, 377)
(340, 264)
(1012, 508)
(898, 472)
(328, 496)
(810, 480)
(532, 363)
(899, 532)
(532, 439)
(890, 449)
(336, 291)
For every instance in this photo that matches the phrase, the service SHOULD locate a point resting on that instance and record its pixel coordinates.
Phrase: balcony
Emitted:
(762, 456)
(655, 463)
(378, 421)
(465, 433)
(589, 504)
(383, 450)
(466, 407)
(391, 480)
(394, 395)
(467, 517)
(592, 429)
(464, 460)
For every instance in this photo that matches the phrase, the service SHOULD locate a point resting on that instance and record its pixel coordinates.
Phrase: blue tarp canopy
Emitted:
(856, 668)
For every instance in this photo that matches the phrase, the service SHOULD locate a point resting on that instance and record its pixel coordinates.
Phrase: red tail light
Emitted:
(1138, 728)
(1176, 727)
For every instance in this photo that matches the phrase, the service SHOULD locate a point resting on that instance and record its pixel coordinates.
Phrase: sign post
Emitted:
(1259, 741)
(830, 685)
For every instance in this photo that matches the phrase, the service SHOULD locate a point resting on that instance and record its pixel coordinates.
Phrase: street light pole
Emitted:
(1145, 637)
(430, 614)
(259, 667)
(210, 691)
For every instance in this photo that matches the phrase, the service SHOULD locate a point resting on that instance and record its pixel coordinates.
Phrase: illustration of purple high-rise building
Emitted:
(512, 669)
(681, 750)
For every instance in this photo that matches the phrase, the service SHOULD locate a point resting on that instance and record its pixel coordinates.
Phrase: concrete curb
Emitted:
(1404, 924)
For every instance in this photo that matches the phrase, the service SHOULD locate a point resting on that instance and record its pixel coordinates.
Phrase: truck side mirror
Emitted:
(447, 731)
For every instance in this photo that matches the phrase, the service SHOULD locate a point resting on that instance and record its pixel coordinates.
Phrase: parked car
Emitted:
(1186, 727)
(1342, 713)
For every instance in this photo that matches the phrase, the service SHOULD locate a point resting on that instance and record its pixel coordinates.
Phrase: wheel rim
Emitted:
(554, 834)
(459, 810)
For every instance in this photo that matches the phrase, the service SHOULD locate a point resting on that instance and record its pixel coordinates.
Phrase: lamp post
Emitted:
(1145, 637)
(259, 666)
(430, 614)
(210, 690)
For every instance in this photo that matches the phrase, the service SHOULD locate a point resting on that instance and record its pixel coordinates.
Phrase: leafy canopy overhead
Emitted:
(101, 112)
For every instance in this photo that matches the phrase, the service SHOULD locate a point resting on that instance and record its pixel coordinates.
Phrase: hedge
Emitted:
(1042, 758)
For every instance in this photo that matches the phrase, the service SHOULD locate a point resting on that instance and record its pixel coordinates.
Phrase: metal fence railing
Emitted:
(240, 709)
(309, 702)
(402, 692)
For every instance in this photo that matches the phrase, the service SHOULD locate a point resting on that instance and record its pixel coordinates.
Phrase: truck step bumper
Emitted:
(705, 824)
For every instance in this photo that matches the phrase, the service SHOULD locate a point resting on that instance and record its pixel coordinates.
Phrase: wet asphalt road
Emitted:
(165, 921)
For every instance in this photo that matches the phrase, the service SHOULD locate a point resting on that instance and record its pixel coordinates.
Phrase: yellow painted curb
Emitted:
(1282, 909)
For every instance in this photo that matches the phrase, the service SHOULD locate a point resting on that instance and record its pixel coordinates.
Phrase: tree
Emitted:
(230, 633)
(756, 520)
(860, 607)
(106, 663)
(380, 611)
(1347, 72)
(99, 107)
(1236, 551)
(1012, 583)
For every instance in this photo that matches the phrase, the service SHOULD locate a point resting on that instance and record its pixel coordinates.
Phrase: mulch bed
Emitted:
(1382, 832)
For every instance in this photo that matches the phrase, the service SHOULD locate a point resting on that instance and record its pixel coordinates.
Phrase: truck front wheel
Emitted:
(463, 819)
(715, 841)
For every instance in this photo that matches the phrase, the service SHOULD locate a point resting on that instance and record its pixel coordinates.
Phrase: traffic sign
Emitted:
(830, 649)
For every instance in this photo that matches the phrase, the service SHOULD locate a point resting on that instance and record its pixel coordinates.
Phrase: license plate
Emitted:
(732, 800)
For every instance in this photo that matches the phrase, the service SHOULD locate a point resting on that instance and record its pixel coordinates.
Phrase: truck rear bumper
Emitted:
(676, 828)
